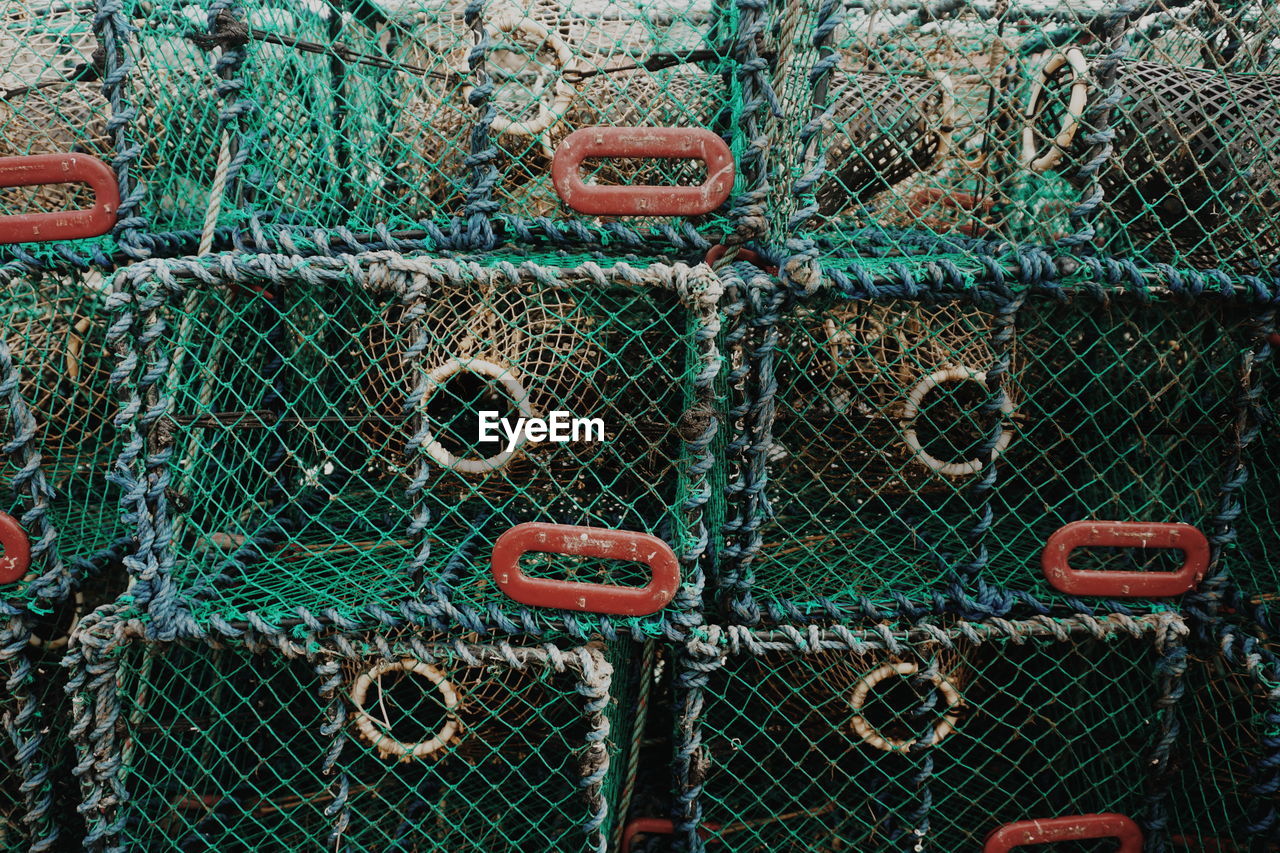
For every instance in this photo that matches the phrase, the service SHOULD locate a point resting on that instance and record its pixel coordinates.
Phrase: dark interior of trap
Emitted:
(951, 421)
(229, 754)
(453, 411)
(1043, 729)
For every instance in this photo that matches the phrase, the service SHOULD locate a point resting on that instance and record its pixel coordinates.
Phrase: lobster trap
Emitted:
(61, 539)
(924, 739)
(427, 119)
(1193, 176)
(397, 741)
(52, 113)
(1222, 783)
(897, 127)
(929, 451)
(343, 435)
(909, 128)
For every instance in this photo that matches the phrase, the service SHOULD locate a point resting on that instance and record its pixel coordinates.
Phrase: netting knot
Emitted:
(803, 273)
(228, 33)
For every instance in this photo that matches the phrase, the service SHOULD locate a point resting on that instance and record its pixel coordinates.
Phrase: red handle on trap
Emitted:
(39, 169)
(645, 826)
(655, 143)
(16, 558)
(1073, 828)
(1125, 534)
(656, 826)
(719, 250)
(585, 542)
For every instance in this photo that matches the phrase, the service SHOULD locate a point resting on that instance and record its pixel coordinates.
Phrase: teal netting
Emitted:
(366, 743)
(844, 745)
(317, 426)
(57, 428)
(919, 443)
(277, 116)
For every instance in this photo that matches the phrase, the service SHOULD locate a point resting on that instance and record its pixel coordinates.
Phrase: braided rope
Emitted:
(24, 731)
(482, 158)
(801, 270)
(1206, 601)
(1102, 136)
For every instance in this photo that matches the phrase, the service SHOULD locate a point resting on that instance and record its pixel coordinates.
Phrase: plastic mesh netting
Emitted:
(325, 431)
(863, 128)
(38, 794)
(56, 424)
(51, 97)
(288, 117)
(927, 445)
(1145, 131)
(838, 740)
(1223, 794)
(372, 743)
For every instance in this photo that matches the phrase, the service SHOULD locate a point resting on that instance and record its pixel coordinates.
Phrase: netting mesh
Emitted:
(849, 745)
(38, 793)
(57, 428)
(914, 445)
(1224, 794)
(294, 117)
(50, 100)
(908, 126)
(418, 747)
(980, 322)
(329, 441)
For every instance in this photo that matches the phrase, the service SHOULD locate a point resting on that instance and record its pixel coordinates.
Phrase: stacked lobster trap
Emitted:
(963, 442)
(979, 736)
(346, 437)
(361, 614)
(556, 425)
(1138, 131)
(61, 539)
(438, 123)
(391, 740)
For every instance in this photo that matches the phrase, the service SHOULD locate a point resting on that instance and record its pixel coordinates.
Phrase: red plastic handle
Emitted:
(1073, 828)
(718, 251)
(656, 826)
(1122, 534)
(17, 550)
(586, 542)
(39, 169)
(645, 826)
(659, 143)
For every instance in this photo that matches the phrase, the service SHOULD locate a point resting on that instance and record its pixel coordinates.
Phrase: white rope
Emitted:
(214, 209)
